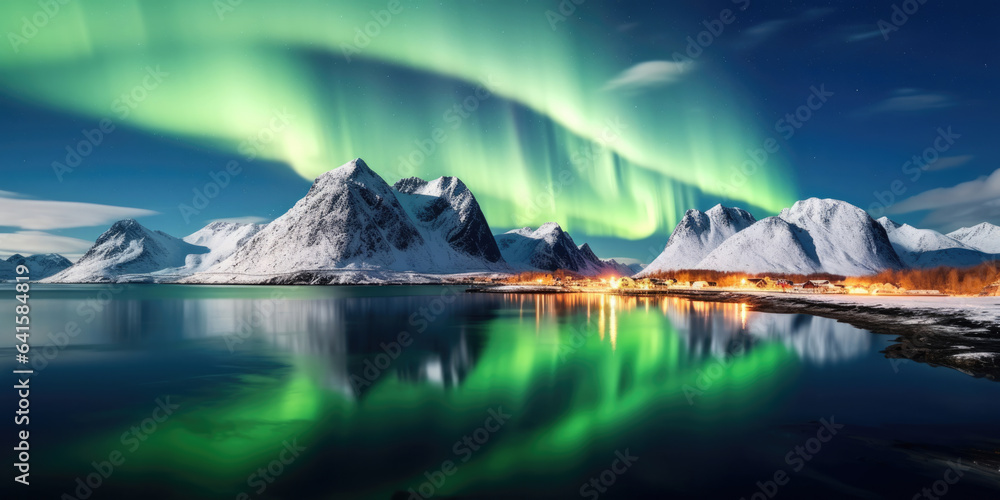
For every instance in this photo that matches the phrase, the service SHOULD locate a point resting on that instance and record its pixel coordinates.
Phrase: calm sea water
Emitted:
(168, 391)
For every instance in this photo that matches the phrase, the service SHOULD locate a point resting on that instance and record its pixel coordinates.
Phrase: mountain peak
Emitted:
(355, 169)
(549, 227)
(126, 225)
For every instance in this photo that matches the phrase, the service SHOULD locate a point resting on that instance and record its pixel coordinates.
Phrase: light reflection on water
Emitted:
(583, 374)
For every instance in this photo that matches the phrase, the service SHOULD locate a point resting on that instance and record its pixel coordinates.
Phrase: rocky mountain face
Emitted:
(549, 248)
(447, 209)
(351, 220)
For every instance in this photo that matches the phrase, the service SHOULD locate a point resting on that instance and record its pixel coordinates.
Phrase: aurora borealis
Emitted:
(611, 120)
(547, 108)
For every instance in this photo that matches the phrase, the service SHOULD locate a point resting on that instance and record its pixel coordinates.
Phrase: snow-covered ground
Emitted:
(974, 308)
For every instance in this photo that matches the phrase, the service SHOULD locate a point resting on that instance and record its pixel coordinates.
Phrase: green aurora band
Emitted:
(546, 139)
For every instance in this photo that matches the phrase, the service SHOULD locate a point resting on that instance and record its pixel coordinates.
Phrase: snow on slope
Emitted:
(221, 238)
(549, 248)
(696, 235)
(769, 245)
(446, 209)
(40, 266)
(984, 237)
(127, 252)
(926, 248)
(352, 220)
(847, 240)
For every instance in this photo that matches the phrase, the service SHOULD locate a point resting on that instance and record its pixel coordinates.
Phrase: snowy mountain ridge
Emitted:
(696, 236)
(352, 220)
(40, 265)
(812, 236)
(984, 237)
(128, 251)
(926, 248)
(549, 248)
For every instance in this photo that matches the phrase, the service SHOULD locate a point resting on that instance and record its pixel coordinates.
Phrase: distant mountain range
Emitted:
(353, 227)
(350, 227)
(816, 236)
(40, 265)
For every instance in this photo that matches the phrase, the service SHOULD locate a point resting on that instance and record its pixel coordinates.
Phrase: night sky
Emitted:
(604, 116)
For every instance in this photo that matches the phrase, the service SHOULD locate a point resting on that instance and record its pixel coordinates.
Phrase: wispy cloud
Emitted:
(864, 35)
(249, 219)
(759, 33)
(965, 204)
(908, 100)
(32, 242)
(946, 162)
(648, 74)
(23, 213)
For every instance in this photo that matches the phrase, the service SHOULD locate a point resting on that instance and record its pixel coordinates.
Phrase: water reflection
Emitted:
(582, 373)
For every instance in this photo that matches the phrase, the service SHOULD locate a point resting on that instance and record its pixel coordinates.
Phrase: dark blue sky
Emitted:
(891, 99)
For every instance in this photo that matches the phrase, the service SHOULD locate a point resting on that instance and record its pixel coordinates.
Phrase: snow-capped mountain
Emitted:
(847, 240)
(771, 245)
(549, 248)
(128, 252)
(984, 237)
(40, 265)
(926, 248)
(813, 236)
(697, 235)
(445, 208)
(351, 220)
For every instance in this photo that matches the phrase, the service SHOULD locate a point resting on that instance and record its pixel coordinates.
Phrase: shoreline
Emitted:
(939, 336)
